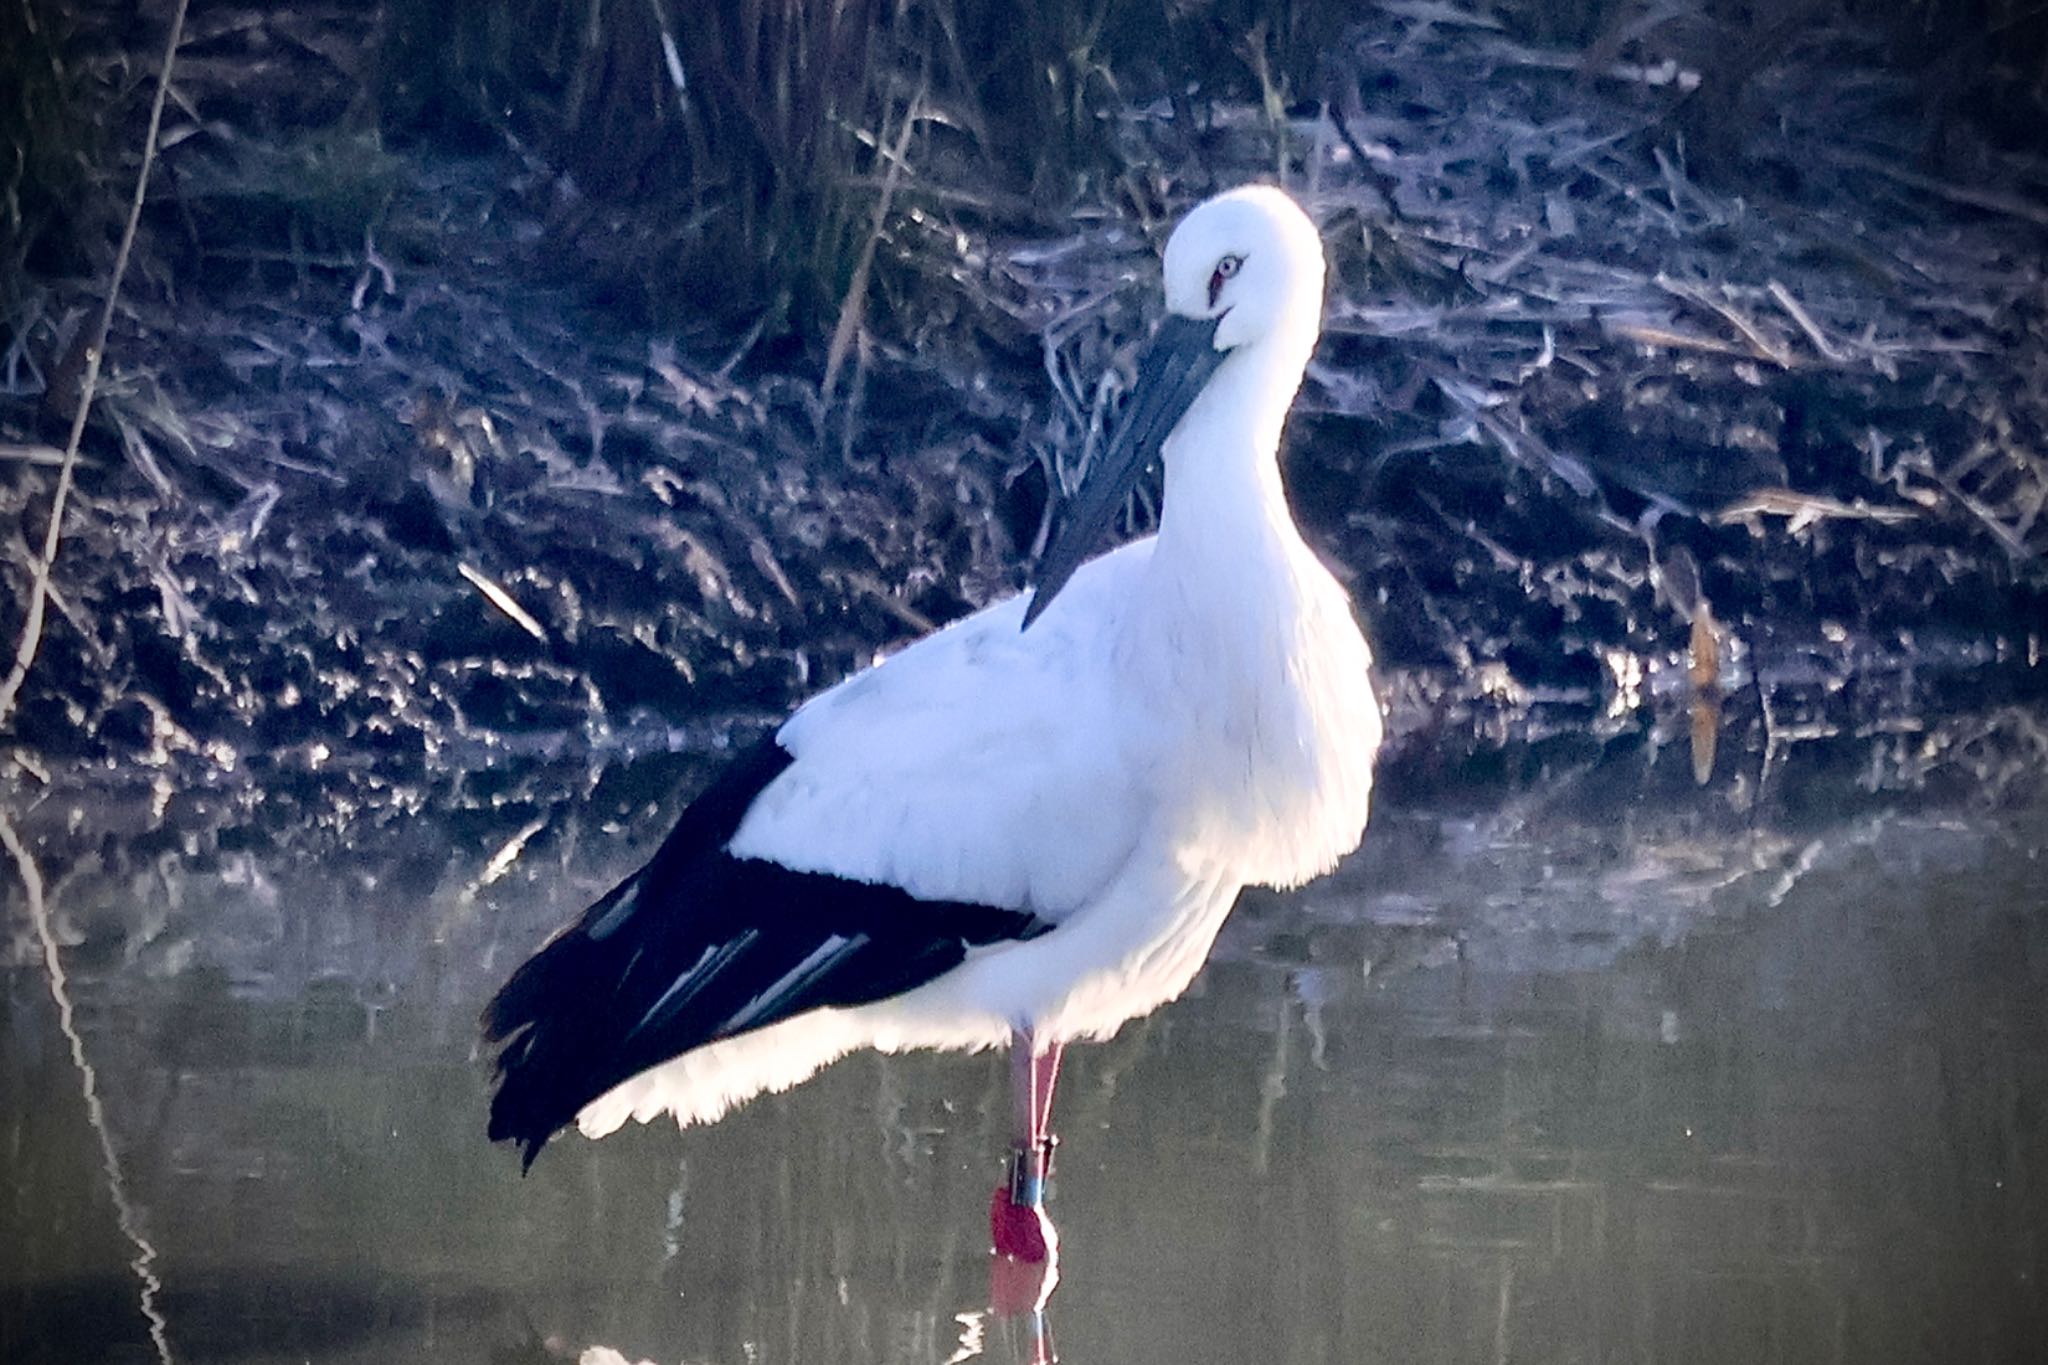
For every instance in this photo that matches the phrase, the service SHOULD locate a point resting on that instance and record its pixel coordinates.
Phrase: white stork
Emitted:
(1025, 828)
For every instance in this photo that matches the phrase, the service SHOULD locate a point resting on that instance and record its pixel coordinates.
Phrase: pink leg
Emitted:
(1016, 1215)
(1045, 1071)
(1033, 1074)
(1023, 1091)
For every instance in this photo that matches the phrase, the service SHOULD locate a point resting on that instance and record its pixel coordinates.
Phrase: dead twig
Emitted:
(39, 584)
(1802, 510)
(1806, 323)
(373, 264)
(503, 601)
(853, 310)
(32, 453)
(1763, 346)
(1992, 200)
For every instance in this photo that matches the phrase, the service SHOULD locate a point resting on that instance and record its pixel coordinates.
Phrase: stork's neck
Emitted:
(1250, 675)
(1223, 495)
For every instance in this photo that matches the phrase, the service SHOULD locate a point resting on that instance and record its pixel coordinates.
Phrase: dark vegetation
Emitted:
(1689, 354)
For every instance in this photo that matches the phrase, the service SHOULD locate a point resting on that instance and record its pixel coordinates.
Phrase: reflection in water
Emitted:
(143, 1263)
(1518, 1084)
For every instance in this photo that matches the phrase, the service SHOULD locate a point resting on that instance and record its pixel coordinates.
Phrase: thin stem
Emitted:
(39, 587)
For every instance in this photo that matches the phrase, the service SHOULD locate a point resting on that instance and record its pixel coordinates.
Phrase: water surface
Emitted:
(1590, 1068)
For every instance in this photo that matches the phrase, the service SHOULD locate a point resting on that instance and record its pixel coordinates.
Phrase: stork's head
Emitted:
(1249, 263)
(1244, 274)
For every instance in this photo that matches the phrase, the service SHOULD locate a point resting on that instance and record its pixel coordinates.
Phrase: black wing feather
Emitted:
(699, 945)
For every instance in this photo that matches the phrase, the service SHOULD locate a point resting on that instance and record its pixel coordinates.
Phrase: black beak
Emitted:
(1176, 364)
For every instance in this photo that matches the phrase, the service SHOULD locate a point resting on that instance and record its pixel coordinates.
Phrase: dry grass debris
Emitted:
(1563, 356)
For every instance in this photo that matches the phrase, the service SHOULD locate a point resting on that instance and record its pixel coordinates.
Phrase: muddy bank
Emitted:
(378, 476)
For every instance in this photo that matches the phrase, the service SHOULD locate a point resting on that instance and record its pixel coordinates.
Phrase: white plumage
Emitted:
(1191, 715)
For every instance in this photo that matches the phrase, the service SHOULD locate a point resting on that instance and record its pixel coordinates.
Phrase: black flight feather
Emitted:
(699, 945)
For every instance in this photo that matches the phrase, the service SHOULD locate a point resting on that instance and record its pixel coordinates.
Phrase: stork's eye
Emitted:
(1225, 268)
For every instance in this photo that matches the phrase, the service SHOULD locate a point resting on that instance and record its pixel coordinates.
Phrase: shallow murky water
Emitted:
(1617, 1074)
